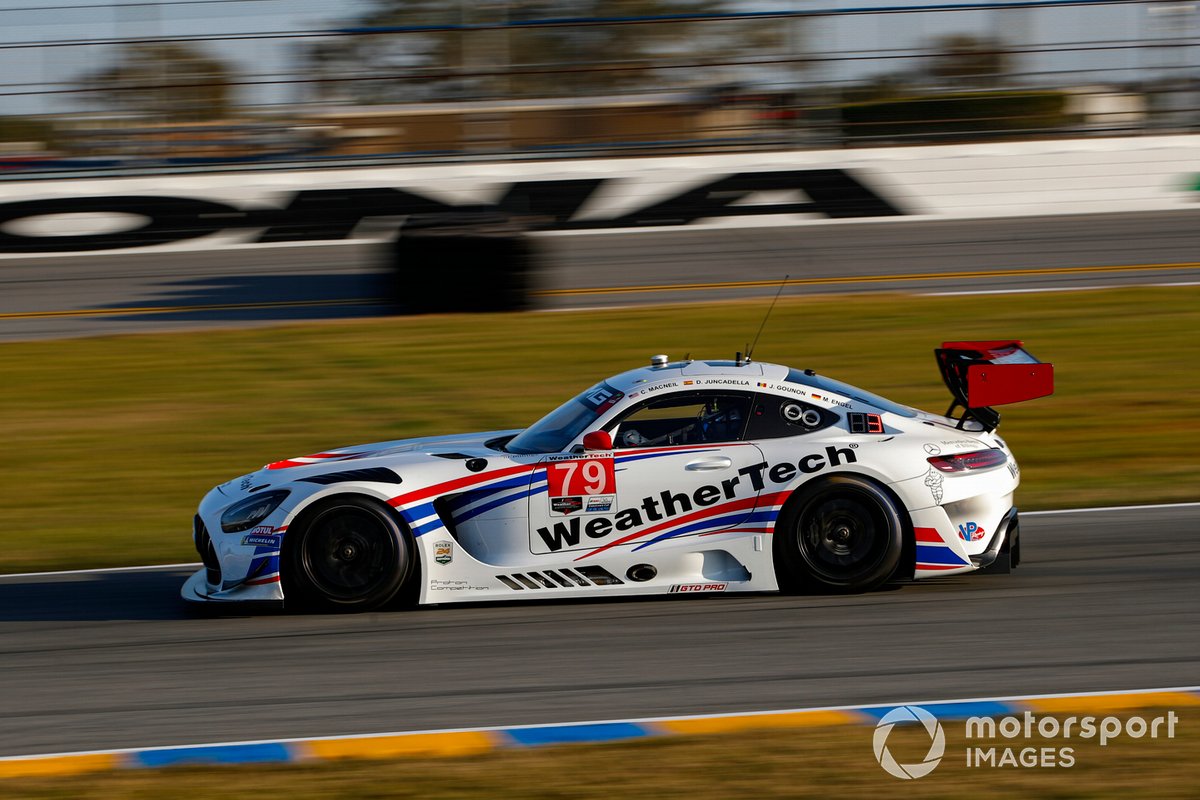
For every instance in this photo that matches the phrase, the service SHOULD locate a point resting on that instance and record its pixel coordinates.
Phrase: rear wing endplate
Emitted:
(980, 375)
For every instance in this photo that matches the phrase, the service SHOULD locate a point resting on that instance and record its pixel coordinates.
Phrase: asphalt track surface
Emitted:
(1106, 600)
(135, 291)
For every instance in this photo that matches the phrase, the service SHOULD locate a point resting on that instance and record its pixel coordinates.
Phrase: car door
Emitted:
(679, 467)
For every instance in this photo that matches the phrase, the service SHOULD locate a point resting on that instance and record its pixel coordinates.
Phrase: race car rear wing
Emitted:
(980, 375)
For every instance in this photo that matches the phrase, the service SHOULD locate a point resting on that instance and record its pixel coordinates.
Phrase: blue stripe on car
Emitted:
(639, 457)
(472, 495)
(481, 509)
(714, 522)
(932, 554)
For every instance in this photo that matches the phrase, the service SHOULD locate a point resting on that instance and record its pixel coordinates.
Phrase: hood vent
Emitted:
(368, 474)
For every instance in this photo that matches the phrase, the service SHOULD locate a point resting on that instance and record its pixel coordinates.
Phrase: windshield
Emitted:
(553, 432)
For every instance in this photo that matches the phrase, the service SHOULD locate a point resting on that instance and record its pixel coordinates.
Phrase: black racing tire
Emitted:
(843, 534)
(346, 553)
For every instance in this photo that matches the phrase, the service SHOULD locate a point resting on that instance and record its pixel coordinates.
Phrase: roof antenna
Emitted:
(750, 349)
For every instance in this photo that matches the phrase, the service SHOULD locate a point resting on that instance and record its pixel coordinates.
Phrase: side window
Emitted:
(684, 418)
(774, 417)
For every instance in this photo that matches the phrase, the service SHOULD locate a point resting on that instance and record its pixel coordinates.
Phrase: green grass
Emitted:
(812, 762)
(111, 441)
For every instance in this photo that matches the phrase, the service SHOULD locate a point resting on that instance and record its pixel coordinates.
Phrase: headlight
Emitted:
(251, 511)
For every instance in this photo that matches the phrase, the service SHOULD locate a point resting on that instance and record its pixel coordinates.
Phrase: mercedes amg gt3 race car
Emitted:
(677, 477)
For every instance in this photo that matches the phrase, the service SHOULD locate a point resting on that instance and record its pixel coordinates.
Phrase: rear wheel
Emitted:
(346, 554)
(844, 534)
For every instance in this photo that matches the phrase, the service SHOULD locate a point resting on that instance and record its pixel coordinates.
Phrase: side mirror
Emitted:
(597, 440)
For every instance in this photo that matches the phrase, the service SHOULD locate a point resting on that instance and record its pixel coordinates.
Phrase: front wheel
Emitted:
(844, 534)
(346, 554)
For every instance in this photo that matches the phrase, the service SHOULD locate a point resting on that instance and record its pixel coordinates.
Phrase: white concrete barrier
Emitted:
(1038, 178)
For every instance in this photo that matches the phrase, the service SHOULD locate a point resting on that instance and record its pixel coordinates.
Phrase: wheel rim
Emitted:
(349, 553)
(842, 537)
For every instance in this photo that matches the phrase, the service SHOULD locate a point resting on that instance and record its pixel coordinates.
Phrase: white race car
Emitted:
(678, 477)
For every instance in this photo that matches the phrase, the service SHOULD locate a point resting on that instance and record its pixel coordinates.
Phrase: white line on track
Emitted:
(635, 721)
(574, 309)
(1017, 291)
(1042, 289)
(143, 568)
(197, 564)
(1108, 508)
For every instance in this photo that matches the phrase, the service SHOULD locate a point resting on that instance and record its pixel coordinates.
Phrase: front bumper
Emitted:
(196, 589)
(237, 569)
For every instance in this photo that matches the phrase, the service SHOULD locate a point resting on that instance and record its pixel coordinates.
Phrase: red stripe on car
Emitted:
(459, 483)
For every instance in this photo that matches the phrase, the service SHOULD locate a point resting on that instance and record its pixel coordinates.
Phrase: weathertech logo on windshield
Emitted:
(667, 504)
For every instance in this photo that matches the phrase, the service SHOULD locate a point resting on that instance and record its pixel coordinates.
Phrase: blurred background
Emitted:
(181, 83)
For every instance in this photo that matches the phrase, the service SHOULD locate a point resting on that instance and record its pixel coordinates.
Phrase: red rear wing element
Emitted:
(984, 374)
